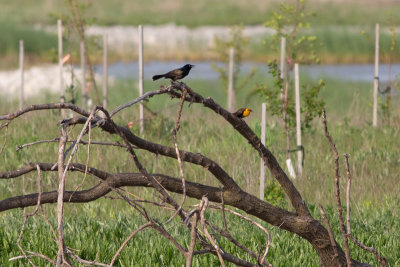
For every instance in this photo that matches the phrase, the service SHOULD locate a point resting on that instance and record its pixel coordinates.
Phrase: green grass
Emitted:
(98, 228)
(99, 233)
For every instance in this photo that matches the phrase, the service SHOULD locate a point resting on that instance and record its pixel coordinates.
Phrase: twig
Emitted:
(33, 254)
(85, 262)
(255, 224)
(328, 226)
(29, 215)
(380, 259)
(24, 110)
(240, 126)
(5, 138)
(337, 192)
(140, 167)
(203, 207)
(178, 155)
(223, 210)
(87, 161)
(193, 235)
(144, 226)
(61, 257)
(146, 95)
(346, 156)
(57, 139)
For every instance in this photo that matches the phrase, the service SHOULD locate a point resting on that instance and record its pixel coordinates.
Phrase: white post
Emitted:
(282, 66)
(21, 69)
(376, 78)
(60, 65)
(230, 81)
(141, 108)
(105, 71)
(83, 82)
(283, 48)
(298, 123)
(262, 164)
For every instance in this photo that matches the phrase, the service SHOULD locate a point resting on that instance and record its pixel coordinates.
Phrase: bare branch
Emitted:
(85, 262)
(328, 226)
(143, 97)
(83, 142)
(26, 216)
(269, 159)
(195, 158)
(203, 207)
(144, 226)
(5, 137)
(140, 167)
(33, 254)
(61, 254)
(193, 235)
(24, 110)
(174, 132)
(253, 223)
(337, 192)
(88, 157)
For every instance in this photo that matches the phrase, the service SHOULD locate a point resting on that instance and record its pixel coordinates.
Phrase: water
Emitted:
(204, 71)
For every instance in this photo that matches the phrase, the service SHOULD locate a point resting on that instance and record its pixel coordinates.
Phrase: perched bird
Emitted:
(243, 112)
(176, 74)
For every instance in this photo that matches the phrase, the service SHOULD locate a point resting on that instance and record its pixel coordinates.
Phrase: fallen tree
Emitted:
(299, 221)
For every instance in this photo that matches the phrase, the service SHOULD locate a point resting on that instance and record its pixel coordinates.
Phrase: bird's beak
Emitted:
(192, 66)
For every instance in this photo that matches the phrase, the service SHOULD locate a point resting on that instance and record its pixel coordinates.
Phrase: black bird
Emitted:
(176, 74)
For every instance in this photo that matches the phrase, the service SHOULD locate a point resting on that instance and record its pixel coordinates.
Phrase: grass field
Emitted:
(97, 229)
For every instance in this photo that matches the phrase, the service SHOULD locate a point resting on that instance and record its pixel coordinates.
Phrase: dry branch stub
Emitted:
(262, 164)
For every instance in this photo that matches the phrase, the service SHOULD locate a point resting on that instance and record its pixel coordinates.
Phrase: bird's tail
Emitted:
(156, 77)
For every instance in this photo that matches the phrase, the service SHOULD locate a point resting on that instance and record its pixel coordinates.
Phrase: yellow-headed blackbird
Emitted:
(243, 112)
(176, 74)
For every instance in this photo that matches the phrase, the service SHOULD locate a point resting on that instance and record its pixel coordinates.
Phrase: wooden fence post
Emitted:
(376, 78)
(298, 123)
(105, 71)
(282, 66)
(141, 108)
(21, 69)
(83, 82)
(262, 164)
(60, 65)
(231, 93)
(283, 50)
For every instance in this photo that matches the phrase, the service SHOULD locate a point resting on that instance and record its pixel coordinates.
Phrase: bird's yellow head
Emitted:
(247, 112)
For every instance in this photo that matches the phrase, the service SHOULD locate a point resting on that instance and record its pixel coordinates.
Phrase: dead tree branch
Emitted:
(174, 133)
(203, 207)
(140, 98)
(62, 250)
(299, 222)
(144, 226)
(241, 126)
(337, 192)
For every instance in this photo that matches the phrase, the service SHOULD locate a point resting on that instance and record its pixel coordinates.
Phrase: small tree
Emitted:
(288, 22)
